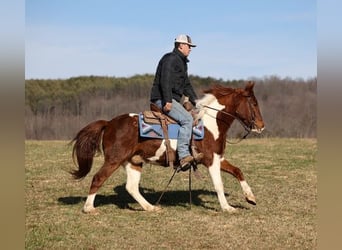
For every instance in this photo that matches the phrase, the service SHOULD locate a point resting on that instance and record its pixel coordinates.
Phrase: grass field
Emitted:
(281, 172)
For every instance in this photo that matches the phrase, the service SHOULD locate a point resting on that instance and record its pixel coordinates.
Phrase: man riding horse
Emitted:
(171, 82)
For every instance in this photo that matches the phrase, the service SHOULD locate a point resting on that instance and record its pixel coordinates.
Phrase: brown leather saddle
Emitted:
(156, 116)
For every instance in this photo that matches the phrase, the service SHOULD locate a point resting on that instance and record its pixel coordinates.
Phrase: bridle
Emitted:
(247, 129)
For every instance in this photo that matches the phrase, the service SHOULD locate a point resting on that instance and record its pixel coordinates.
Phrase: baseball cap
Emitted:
(184, 39)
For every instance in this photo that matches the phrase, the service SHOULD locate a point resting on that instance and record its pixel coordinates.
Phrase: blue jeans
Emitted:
(185, 120)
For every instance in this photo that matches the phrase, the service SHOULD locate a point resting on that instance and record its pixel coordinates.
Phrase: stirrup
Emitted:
(184, 168)
(185, 163)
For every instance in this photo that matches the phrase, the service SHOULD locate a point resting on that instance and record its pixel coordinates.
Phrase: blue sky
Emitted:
(236, 39)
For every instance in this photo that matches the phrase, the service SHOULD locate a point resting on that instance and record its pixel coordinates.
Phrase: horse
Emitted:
(219, 107)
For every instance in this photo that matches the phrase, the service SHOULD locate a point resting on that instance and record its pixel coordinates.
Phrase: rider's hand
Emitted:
(188, 106)
(167, 107)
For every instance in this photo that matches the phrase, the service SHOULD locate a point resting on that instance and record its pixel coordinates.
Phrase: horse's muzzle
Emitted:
(258, 127)
(257, 130)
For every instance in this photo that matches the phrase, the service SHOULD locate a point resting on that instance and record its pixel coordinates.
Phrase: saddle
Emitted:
(155, 116)
(154, 123)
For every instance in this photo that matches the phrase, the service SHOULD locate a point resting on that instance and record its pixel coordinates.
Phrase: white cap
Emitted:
(184, 39)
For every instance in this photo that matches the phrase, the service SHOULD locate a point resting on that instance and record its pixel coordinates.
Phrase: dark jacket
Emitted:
(171, 80)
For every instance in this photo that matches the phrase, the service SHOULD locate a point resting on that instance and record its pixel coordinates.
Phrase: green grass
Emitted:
(281, 172)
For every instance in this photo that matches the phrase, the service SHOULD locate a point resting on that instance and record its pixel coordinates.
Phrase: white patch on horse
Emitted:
(173, 143)
(132, 187)
(161, 150)
(89, 204)
(215, 173)
(209, 116)
(132, 114)
(247, 191)
(206, 100)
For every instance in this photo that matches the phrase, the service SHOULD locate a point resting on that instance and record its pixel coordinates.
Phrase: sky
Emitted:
(121, 38)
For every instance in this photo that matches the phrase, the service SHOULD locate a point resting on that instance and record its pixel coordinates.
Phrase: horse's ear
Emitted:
(249, 86)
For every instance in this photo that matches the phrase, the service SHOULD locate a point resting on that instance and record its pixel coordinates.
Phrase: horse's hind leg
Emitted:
(132, 186)
(99, 178)
(237, 173)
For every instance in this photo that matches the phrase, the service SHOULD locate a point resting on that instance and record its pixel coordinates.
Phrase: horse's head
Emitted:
(239, 104)
(247, 109)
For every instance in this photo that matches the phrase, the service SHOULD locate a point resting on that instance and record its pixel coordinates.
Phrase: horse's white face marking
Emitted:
(160, 151)
(259, 130)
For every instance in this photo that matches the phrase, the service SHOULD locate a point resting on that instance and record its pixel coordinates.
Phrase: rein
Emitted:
(248, 130)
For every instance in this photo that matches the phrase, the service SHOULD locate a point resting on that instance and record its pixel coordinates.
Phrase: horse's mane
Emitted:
(219, 91)
(215, 92)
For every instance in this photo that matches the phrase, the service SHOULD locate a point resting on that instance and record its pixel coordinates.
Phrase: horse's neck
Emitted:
(225, 123)
(217, 126)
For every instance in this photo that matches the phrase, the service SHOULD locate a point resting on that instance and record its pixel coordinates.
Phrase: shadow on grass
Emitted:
(123, 199)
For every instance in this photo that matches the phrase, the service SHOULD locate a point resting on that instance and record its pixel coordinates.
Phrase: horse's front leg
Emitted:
(132, 186)
(237, 173)
(215, 173)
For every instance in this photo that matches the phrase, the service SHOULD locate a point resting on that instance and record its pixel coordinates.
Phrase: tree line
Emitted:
(57, 109)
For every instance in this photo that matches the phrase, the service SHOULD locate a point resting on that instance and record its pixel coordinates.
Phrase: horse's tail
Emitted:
(86, 144)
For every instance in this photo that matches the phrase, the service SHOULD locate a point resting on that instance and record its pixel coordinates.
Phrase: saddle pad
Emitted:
(156, 131)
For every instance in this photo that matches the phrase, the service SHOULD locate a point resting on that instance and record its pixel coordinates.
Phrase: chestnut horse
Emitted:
(121, 141)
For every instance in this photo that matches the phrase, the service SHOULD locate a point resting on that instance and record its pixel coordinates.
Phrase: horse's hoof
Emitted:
(251, 200)
(157, 209)
(230, 210)
(154, 209)
(90, 211)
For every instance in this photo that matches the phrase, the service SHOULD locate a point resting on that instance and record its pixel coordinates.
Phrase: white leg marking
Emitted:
(215, 173)
(247, 191)
(132, 186)
(89, 204)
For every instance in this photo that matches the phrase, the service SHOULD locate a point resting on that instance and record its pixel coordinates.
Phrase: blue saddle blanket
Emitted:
(156, 131)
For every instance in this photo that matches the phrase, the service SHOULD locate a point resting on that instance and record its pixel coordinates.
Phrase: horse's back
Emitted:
(121, 127)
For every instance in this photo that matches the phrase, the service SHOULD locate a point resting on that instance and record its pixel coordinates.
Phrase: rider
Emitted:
(171, 82)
